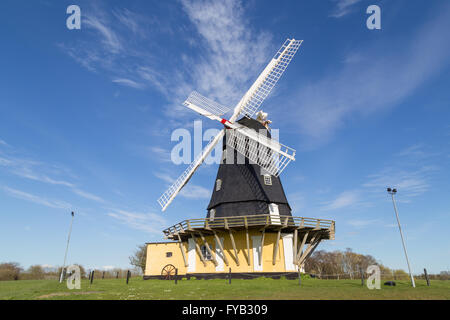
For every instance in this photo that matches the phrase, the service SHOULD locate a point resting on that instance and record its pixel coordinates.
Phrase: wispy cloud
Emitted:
(375, 82)
(416, 152)
(88, 195)
(26, 168)
(36, 199)
(148, 222)
(358, 223)
(109, 38)
(131, 20)
(128, 83)
(220, 58)
(412, 183)
(160, 154)
(297, 202)
(38, 171)
(190, 191)
(345, 199)
(343, 7)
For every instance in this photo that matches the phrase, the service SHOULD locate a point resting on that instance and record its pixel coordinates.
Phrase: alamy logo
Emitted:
(374, 20)
(74, 20)
(373, 281)
(182, 153)
(74, 280)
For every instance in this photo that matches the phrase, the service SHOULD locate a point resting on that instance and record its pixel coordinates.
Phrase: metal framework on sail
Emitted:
(179, 183)
(255, 96)
(260, 149)
(205, 106)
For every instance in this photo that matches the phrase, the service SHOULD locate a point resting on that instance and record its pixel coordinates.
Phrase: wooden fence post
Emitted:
(103, 275)
(176, 275)
(362, 276)
(92, 276)
(426, 277)
(229, 277)
(299, 278)
(128, 275)
(117, 275)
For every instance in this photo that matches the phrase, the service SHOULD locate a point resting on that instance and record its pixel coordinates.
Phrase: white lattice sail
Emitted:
(205, 106)
(179, 183)
(260, 149)
(258, 92)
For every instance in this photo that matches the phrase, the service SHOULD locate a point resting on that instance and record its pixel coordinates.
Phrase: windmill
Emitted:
(249, 219)
(271, 155)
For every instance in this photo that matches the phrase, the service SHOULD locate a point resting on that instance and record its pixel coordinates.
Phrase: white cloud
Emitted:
(343, 7)
(380, 79)
(221, 60)
(36, 199)
(160, 154)
(164, 177)
(297, 202)
(88, 195)
(30, 169)
(189, 191)
(233, 54)
(410, 183)
(345, 199)
(108, 37)
(148, 222)
(35, 170)
(416, 152)
(362, 223)
(130, 19)
(128, 83)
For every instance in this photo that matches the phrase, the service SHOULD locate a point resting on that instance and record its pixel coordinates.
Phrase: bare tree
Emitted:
(36, 272)
(139, 258)
(345, 264)
(10, 271)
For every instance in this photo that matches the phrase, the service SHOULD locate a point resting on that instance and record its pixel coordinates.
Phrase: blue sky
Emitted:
(86, 118)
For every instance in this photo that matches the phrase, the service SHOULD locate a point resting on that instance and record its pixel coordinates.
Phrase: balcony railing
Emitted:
(248, 221)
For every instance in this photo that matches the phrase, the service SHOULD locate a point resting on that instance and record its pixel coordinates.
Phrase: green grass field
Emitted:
(267, 289)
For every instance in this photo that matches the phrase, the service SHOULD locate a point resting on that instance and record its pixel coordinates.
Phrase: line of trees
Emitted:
(348, 265)
(13, 271)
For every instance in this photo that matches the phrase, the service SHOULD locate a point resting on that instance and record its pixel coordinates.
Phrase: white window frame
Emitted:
(274, 214)
(212, 214)
(267, 179)
(218, 184)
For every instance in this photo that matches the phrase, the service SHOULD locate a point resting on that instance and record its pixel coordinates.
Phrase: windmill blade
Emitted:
(205, 106)
(261, 88)
(260, 149)
(175, 188)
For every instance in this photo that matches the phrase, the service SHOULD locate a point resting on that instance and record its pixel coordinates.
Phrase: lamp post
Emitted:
(67, 248)
(392, 192)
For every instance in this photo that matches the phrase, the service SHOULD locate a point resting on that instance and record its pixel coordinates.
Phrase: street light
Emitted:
(67, 248)
(392, 192)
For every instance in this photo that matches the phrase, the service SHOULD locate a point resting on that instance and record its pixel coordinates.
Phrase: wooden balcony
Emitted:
(268, 223)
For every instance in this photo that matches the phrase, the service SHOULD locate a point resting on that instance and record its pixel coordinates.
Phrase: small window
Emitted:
(218, 184)
(267, 179)
(205, 253)
(212, 214)
(168, 254)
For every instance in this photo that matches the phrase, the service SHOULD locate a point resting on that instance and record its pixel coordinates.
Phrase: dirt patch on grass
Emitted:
(57, 294)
